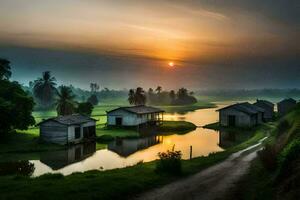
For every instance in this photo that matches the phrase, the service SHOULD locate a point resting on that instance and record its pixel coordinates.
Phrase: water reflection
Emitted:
(128, 152)
(126, 147)
(59, 159)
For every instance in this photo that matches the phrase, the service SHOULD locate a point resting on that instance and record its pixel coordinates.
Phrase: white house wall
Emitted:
(128, 118)
(53, 132)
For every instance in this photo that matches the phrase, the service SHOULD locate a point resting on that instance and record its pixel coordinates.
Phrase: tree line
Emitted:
(158, 96)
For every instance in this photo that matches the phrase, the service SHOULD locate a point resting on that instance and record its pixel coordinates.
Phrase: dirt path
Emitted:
(209, 184)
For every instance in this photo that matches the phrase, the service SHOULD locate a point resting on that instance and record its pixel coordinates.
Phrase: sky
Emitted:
(129, 43)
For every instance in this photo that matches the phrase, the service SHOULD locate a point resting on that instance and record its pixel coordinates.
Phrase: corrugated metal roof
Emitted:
(290, 100)
(139, 109)
(245, 107)
(70, 119)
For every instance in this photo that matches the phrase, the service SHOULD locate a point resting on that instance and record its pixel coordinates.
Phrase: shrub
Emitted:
(169, 162)
(105, 138)
(289, 154)
(268, 157)
(282, 127)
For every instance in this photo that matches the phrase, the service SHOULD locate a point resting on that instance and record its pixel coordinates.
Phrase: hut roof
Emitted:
(289, 100)
(268, 103)
(139, 109)
(70, 119)
(245, 108)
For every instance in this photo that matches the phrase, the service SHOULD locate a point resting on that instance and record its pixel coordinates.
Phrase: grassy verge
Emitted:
(112, 184)
(176, 127)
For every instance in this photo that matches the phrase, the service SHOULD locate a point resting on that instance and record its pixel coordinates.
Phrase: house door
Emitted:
(231, 120)
(119, 121)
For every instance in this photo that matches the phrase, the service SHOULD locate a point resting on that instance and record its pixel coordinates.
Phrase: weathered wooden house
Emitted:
(68, 129)
(268, 107)
(241, 115)
(134, 116)
(286, 106)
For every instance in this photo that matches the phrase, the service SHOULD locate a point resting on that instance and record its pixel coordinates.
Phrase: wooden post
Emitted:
(191, 152)
(173, 148)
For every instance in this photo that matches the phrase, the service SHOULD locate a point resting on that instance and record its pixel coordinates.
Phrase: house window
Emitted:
(77, 132)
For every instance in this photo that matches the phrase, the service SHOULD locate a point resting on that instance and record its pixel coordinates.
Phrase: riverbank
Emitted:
(111, 184)
(275, 173)
(105, 134)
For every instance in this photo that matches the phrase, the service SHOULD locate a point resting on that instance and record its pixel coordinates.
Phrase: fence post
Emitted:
(191, 152)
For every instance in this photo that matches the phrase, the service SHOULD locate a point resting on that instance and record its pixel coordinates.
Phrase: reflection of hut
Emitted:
(126, 147)
(268, 107)
(76, 153)
(241, 115)
(134, 116)
(67, 129)
(286, 106)
(226, 138)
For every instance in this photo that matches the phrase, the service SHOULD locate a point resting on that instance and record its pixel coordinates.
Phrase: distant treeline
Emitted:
(139, 96)
(251, 93)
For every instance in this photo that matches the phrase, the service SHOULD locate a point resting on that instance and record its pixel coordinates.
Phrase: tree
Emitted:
(158, 89)
(44, 89)
(172, 96)
(16, 106)
(93, 99)
(65, 104)
(137, 97)
(131, 96)
(85, 108)
(5, 72)
(94, 87)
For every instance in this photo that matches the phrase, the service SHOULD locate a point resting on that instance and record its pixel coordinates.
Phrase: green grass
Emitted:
(176, 127)
(112, 184)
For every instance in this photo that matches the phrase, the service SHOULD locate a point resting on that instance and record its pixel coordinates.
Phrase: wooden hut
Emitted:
(268, 107)
(134, 116)
(241, 115)
(286, 106)
(67, 129)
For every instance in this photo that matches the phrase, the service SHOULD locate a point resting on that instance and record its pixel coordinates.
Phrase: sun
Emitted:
(171, 64)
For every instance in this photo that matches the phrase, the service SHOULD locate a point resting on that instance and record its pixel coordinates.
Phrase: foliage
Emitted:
(282, 127)
(169, 162)
(65, 104)
(137, 97)
(289, 154)
(20, 168)
(85, 108)
(93, 99)
(5, 72)
(15, 106)
(44, 89)
(94, 87)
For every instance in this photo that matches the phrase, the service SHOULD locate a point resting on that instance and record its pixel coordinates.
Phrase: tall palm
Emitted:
(65, 104)
(5, 72)
(44, 88)
(158, 89)
(140, 97)
(131, 96)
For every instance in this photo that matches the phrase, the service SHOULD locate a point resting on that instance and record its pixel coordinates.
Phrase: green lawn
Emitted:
(112, 184)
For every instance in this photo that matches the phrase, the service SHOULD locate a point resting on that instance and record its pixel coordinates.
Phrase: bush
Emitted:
(268, 157)
(85, 108)
(170, 162)
(287, 157)
(282, 127)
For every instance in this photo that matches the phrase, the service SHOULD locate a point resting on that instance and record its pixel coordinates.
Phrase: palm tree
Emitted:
(131, 96)
(158, 89)
(44, 89)
(140, 97)
(65, 104)
(5, 72)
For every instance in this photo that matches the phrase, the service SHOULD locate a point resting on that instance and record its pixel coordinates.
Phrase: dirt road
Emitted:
(209, 184)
